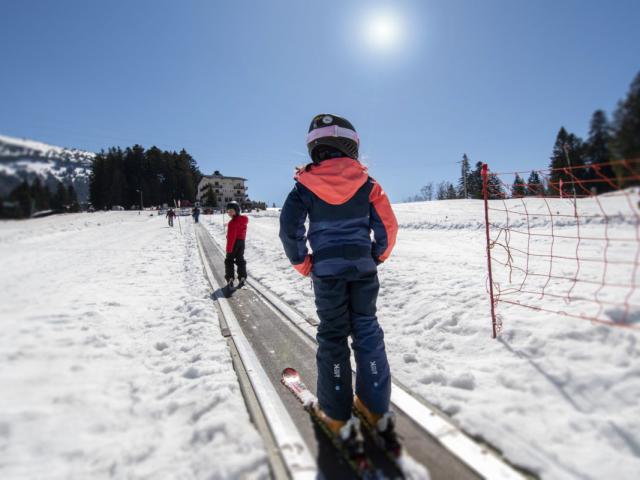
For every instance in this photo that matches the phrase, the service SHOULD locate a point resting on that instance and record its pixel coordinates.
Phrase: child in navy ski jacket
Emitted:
(343, 205)
(236, 235)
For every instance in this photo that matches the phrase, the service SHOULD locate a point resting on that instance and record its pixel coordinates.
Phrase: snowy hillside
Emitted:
(112, 364)
(22, 159)
(558, 396)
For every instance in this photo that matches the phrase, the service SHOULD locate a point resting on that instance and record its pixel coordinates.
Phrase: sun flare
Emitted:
(383, 31)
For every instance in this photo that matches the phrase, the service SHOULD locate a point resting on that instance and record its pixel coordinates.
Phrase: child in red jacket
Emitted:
(236, 234)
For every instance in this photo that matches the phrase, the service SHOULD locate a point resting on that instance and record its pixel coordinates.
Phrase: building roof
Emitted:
(217, 174)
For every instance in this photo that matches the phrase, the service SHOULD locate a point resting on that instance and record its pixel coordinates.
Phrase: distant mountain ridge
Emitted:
(22, 159)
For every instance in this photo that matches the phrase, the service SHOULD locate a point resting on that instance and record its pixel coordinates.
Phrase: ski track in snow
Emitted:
(558, 396)
(111, 360)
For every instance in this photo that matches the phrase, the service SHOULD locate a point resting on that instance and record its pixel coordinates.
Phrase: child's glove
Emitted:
(304, 268)
(373, 255)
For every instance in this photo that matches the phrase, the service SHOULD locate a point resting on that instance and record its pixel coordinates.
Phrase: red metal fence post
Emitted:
(485, 194)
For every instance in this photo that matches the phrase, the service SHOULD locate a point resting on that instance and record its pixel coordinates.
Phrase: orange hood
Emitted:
(335, 180)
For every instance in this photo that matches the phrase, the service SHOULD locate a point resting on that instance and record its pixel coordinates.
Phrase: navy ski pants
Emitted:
(347, 306)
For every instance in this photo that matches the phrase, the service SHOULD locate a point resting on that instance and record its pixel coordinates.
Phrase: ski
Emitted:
(359, 463)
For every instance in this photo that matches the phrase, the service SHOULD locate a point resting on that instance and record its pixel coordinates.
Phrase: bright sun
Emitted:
(383, 31)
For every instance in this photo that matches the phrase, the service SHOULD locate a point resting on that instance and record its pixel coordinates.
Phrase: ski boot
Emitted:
(347, 437)
(241, 281)
(381, 426)
(351, 439)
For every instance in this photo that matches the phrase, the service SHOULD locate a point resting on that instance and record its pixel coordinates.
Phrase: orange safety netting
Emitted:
(565, 241)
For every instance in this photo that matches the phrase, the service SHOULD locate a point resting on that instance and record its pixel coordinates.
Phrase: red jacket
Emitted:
(236, 230)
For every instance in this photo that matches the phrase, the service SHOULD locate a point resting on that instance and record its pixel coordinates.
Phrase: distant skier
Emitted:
(171, 215)
(195, 214)
(344, 204)
(236, 235)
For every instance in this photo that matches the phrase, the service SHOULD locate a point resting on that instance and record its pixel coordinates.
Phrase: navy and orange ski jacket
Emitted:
(344, 205)
(236, 230)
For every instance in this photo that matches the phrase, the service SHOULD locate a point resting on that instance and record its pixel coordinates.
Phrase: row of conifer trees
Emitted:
(590, 161)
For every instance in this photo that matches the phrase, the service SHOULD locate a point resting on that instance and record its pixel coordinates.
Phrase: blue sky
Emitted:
(237, 82)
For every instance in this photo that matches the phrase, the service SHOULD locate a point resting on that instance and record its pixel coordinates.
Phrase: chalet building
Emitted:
(226, 189)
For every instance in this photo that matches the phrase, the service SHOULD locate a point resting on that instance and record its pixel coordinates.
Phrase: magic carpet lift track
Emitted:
(480, 459)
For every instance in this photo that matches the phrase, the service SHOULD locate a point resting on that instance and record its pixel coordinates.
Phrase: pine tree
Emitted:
(40, 195)
(72, 199)
(626, 126)
(566, 160)
(452, 194)
(601, 176)
(22, 195)
(118, 182)
(518, 189)
(210, 198)
(186, 176)
(164, 182)
(59, 199)
(474, 184)
(133, 169)
(196, 174)
(494, 187)
(534, 185)
(463, 182)
(97, 181)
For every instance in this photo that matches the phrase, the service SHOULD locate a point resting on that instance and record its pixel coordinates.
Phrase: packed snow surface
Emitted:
(558, 396)
(112, 364)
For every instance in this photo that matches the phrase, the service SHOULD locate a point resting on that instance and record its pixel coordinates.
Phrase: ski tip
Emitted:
(289, 374)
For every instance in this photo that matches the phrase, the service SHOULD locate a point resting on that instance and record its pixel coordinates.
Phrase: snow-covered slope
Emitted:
(22, 159)
(112, 364)
(557, 395)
